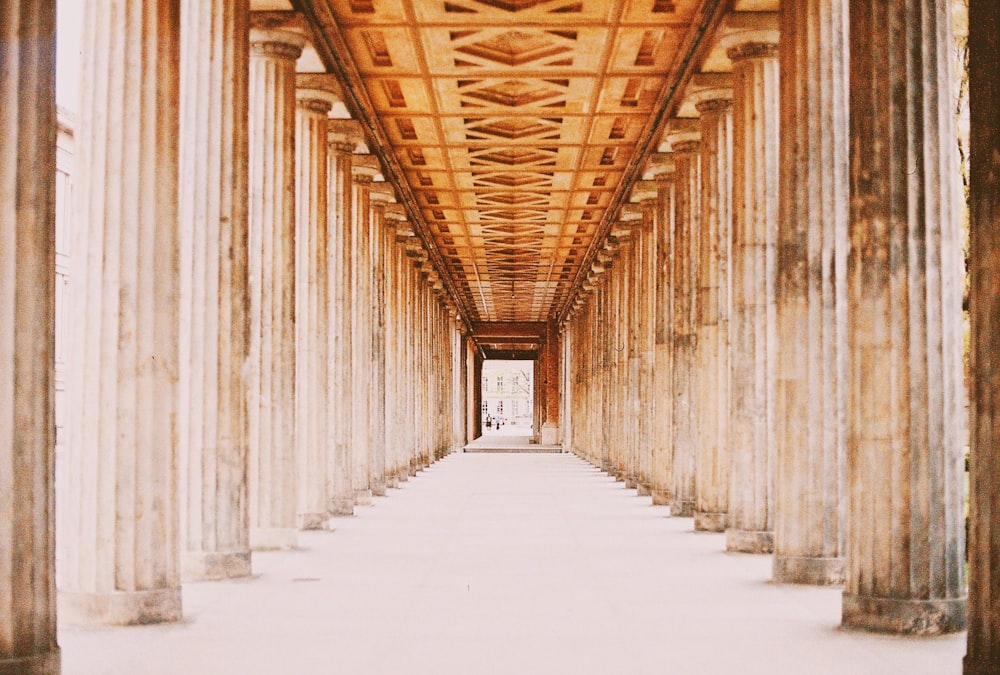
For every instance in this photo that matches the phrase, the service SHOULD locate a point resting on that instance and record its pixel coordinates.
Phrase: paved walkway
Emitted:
(509, 564)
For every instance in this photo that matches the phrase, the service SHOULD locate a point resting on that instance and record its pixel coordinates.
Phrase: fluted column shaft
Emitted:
(273, 53)
(984, 475)
(663, 399)
(645, 291)
(811, 295)
(377, 360)
(214, 324)
(342, 141)
(685, 253)
(121, 546)
(27, 341)
(905, 427)
(361, 324)
(312, 302)
(755, 114)
(711, 381)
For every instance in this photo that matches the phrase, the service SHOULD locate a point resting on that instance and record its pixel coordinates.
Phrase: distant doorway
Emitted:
(507, 398)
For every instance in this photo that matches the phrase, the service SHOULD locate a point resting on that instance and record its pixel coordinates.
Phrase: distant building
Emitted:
(508, 392)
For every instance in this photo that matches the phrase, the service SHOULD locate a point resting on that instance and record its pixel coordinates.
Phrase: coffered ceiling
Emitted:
(512, 127)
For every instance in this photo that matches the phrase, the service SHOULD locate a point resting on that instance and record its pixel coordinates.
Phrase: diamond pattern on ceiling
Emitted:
(514, 122)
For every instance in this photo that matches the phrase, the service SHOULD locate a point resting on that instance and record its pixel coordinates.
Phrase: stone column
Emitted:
(364, 168)
(905, 427)
(984, 475)
(755, 199)
(215, 331)
(343, 137)
(711, 379)
(273, 52)
(122, 545)
(315, 97)
(644, 194)
(381, 194)
(395, 221)
(662, 168)
(687, 219)
(810, 295)
(27, 339)
(550, 384)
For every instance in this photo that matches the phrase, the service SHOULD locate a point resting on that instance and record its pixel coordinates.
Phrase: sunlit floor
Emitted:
(507, 563)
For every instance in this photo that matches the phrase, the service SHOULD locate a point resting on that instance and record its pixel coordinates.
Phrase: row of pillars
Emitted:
(787, 281)
(259, 341)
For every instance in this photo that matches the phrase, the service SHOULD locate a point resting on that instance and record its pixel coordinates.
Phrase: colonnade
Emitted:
(810, 315)
(259, 342)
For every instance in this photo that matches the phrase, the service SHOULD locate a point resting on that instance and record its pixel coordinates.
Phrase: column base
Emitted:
(312, 521)
(682, 508)
(549, 434)
(46, 663)
(403, 475)
(972, 664)
(662, 498)
(213, 566)
(378, 488)
(903, 616)
(804, 570)
(362, 497)
(709, 521)
(643, 489)
(631, 483)
(391, 482)
(750, 541)
(273, 538)
(342, 507)
(120, 608)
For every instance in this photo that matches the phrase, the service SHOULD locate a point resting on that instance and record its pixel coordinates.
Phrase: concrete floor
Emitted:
(513, 564)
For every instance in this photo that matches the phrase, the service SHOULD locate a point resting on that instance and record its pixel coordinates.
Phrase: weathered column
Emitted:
(343, 137)
(645, 194)
(121, 547)
(905, 427)
(662, 170)
(395, 222)
(810, 294)
(214, 325)
(984, 472)
(755, 199)
(687, 219)
(364, 168)
(315, 97)
(550, 387)
(273, 52)
(711, 379)
(381, 194)
(27, 339)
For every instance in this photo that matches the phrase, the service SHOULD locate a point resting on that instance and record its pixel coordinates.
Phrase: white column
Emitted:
(905, 426)
(212, 417)
(755, 112)
(315, 96)
(343, 137)
(662, 170)
(122, 541)
(711, 378)
(811, 295)
(27, 342)
(380, 194)
(273, 52)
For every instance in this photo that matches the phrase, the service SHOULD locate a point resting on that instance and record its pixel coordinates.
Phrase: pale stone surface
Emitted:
(120, 549)
(984, 535)
(315, 97)
(810, 295)
(662, 489)
(27, 339)
(905, 427)
(711, 359)
(687, 219)
(272, 479)
(343, 137)
(508, 563)
(380, 195)
(214, 291)
(755, 202)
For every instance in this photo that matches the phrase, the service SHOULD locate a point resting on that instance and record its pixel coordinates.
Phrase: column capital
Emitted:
(344, 135)
(643, 190)
(751, 44)
(395, 215)
(684, 134)
(382, 193)
(318, 92)
(712, 100)
(283, 43)
(659, 165)
(364, 168)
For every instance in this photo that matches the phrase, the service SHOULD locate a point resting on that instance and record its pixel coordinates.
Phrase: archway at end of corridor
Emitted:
(507, 398)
